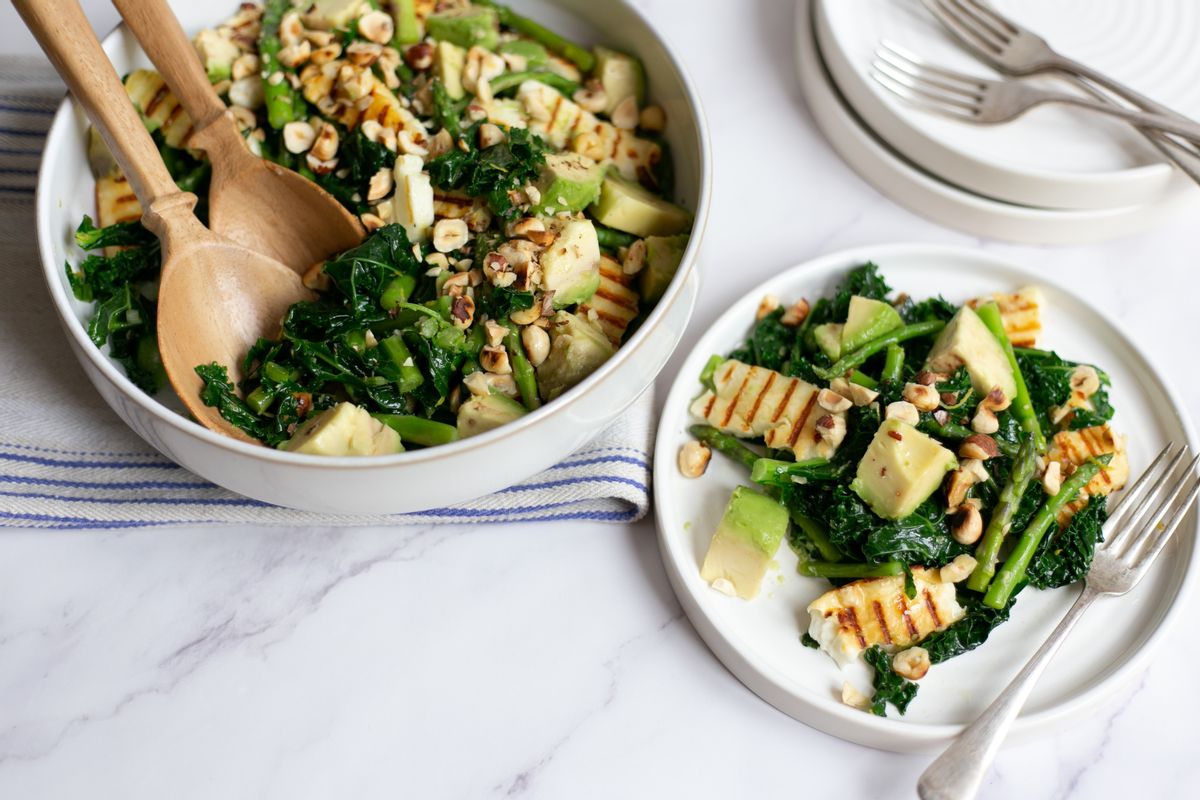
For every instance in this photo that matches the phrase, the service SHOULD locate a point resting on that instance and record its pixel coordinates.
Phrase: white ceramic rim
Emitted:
(53, 275)
(943, 159)
(767, 682)
(944, 203)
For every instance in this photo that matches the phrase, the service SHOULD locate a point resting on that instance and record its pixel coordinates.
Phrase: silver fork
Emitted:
(1013, 50)
(1135, 539)
(984, 101)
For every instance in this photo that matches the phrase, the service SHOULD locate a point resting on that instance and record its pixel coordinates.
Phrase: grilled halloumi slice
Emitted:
(614, 302)
(159, 107)
(115, 202)
(1020, 312)
(847, 620)
(1072, 448)
(753, 401)
(558, 120)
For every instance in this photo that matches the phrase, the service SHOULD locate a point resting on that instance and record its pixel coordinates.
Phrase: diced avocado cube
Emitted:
(628, 207)
(344, 430)
(828, 337)
(577, 349)
(967, 342)
(483, 413)
(568, 182)
(746, 540)
(534, 54)
(466, 26)
(663, 254)
(868, 319)
(571, 263)
(404, 14)
(330, 14)
(621, 75)
(216, 53)
(901, 469)
(449, 60)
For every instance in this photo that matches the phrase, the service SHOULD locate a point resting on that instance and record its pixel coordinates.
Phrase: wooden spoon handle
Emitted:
(67, 38)
(157, 29)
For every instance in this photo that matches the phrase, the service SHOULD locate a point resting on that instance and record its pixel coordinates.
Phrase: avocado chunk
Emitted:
(449, 60)
(404, 14)
(746, 539)
(216, 53)
(901, 469)
(466, 27)
(485, 412)
(330, 14)
(628, 207)
(663, 254)
(868, 319)
(577, 349)
(621, 76)
(571, 264)
(967, 342)
(568, 182)
(828, 337)
(534, 54)
(344, 430)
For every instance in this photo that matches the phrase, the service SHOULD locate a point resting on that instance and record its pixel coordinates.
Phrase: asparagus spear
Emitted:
(284, 104)
(988, 550)
(729, 445)
(710, 369)
(511, 80)
(1022, 407)
(817, 535)
(771, 472)
(825, 569)
(858, 357)
(522, 370)
(419, 430)
(611, 239)
(893, 363)
(952, 430)
(581, 57)
(1013, 571)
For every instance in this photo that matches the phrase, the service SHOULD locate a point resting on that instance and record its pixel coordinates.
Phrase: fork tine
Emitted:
(973, 11)
(1158, 539)
(939, 90)
(918, 98)
(1124, 524)
(1134, 492)
(903, 59)
(950, 18)
(995, 16)
(1165, 493)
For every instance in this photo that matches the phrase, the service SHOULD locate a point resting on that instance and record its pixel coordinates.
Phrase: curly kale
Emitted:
(1048, 378)
(889, 687)
(970, 631)
(492, 172)
(1065, 556)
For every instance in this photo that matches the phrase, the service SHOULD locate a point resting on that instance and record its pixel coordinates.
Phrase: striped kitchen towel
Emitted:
(67, 461)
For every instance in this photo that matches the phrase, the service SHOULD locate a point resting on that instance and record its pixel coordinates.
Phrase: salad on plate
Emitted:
(925, 459)
(515, 186)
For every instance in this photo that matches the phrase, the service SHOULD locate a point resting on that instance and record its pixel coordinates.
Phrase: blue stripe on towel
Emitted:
(49, 462)
(105, 485)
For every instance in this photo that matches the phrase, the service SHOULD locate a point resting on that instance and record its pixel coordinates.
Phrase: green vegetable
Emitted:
(822, 569)
(1048, 378)
(418, 430)
(893, 366)
(404, 13)
(889, 687)
(988, 550)
(511, 80)
(859, 356)
(710, 369)
(580, 56)
(1013, 571)
(1022, 407)
(284, 104)
(523, 372)
(493, 172)
(814, 534)
(771, 472)
(955, 431)
(970, 631)
(725, 443)
(862, 379)
(613, 239)
(1065, 556)
(447, 112)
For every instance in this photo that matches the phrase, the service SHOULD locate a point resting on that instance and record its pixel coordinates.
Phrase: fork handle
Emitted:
(1074, 67)
(1173, 124)
(958, 772)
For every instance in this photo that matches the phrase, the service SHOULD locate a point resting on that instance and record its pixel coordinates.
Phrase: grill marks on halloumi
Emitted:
(614, 302)
(851, 618)
(1020, 312)
(1072, 448)
(754, 401)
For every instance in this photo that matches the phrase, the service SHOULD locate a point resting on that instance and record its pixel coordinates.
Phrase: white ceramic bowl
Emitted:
(421, 478)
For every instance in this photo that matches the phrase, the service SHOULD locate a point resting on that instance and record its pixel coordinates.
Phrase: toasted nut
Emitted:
(482, 384)
(1052, 478)
(927, 378)
(625, 114)
(489, 135)
(450, 235)
(903, 411)
(831, 430)
(495, 332)
(532, 194)
(984, 420)
(968, 524)
(480, 68)
(363, 54)
(462, 312)
(380, 185)
(765, 306)
(652, 119)
(326, 145)
(960, 568)
(294, 55)
(247, 92)
(318, 38)
(587, 144)
(1085, 381)
(995, 400)
(796, 313)
(924, 398)
(635, 258)
(315, 277)
(912, 663)
(591, 97)
(961, 480)
(438, 261)
(832, 401)
(941, 416)
(693, 459)
(318, 166)
(853, 697)
(244, 66)
(298, 137)
(980, 446)
(456, 284)
(326, 54)
(441, 143)
(526, 226)
(495, 359)
(376, 26)
(413, 144)
(975, 468)
(372, 222)
(526, 316)
(419, 56)
(725, 587)
(858, 394)
(537, 344)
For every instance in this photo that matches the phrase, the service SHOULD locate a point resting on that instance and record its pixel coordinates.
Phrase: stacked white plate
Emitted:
(1055, 176)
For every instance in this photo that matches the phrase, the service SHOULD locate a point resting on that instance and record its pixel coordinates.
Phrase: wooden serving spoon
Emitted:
(251, 200)
(215, 297)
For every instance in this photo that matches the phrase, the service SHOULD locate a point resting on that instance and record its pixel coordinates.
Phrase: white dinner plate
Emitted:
(943, 202)
(759, 640)
(1053, 156)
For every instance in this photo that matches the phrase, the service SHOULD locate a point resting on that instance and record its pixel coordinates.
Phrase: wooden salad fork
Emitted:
(215, 297)
(251, 200)
(1135, 535)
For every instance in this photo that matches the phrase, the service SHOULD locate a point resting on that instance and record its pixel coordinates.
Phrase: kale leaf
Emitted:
(1065, 556)
(864, 281)
(501, 301)
(779, 347)
(1048, 378)
(970, 631)
(493, 172)
(922, 538)
(219, 392)
(933, 308)
(122, 234)
(889, 687)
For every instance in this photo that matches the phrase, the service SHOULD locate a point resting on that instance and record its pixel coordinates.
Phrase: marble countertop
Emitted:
(544, 661)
